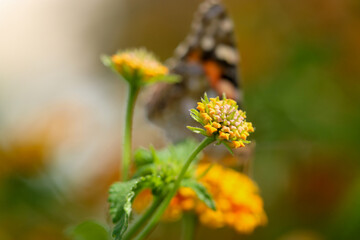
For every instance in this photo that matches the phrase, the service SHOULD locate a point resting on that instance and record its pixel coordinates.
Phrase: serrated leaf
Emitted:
(197, 130)
(88, 230)
(121, 195)
(200, 191)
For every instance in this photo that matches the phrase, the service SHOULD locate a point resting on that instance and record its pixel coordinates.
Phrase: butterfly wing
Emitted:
(207, 61)
(211, 43)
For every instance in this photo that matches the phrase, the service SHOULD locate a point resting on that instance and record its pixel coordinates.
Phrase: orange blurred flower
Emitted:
(236, 196)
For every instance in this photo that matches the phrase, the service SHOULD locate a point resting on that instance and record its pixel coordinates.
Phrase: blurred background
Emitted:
(61, 110)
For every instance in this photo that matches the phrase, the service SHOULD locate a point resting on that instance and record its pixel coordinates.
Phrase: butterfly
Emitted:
(207, 61)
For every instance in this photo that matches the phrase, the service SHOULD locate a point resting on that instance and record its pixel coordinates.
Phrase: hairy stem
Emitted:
(143, 219)
(126, 159)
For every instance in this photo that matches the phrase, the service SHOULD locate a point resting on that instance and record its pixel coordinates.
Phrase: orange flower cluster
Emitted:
(237, 200)
(236, 196)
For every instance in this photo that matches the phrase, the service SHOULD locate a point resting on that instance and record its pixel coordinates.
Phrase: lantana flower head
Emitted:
(238, 203)
(223, 120)
(237, 199)
(139, 66)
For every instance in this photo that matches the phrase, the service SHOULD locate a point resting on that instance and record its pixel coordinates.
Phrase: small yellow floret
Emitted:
(216, 125)
(200, 107)
(250, 128)
(225, 129)
(224, 136)
(237, 144)
(205, 117)
(209, 129)
(243, 136)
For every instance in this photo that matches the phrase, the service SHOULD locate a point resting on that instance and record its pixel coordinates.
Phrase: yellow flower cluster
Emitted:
(237, 200)
(223, 119)
(140, 61)
(184, 200)
(236, 196)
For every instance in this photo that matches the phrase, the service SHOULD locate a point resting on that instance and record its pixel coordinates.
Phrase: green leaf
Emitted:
(197, 130)
(183, 149)
(200, 191)
(143, 157)
(228, 147)
(121, 195)
(154, 154)
(195, 115)
(195, 112)
(206, 98)
(145, 170)
(88, 230)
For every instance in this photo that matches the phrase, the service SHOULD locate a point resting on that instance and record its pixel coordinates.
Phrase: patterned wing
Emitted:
(207, 61)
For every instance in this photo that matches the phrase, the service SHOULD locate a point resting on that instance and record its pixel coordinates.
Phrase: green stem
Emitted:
(143, 219)
(158, 214)
(189, 224)
(126, 159)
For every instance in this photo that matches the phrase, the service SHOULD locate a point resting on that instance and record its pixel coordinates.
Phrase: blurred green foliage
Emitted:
(89, 230)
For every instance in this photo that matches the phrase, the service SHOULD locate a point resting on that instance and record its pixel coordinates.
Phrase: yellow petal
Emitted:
(209, 129)
(205, 117)
(216, 124)
(224, 135)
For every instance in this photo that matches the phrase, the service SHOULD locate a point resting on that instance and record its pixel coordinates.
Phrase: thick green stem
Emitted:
(126, 160)
(157, 215)
(189, 224)
(143, 219)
